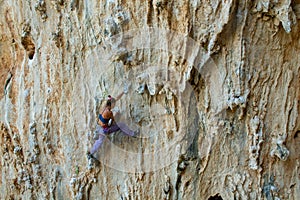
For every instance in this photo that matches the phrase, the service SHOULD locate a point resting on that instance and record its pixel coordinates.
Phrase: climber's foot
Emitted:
(136, 134)
(90, 156)
(92, 160)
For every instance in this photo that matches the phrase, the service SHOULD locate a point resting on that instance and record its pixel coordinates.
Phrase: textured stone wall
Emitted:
(213, 87)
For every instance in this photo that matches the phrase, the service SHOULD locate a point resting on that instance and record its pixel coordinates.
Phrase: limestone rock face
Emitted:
(212, 87)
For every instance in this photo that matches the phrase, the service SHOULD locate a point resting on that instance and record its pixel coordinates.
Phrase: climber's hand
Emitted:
(126, 88)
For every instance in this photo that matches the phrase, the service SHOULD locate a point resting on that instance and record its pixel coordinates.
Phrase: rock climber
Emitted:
(107, 124)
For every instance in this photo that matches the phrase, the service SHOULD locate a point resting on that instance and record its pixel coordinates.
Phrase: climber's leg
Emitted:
(125, 129)
(99, 141)
(113, 128)
(97, 144)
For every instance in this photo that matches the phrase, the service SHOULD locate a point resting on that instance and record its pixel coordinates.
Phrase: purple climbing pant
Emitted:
(113, 128)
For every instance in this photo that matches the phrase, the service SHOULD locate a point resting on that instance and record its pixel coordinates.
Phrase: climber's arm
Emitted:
(119, 96)
(111, 116)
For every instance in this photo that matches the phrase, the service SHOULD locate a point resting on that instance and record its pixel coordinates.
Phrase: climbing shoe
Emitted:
(136, 134)
(89, 155)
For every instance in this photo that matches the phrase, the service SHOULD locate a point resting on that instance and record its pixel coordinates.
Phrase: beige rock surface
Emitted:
(213, 87)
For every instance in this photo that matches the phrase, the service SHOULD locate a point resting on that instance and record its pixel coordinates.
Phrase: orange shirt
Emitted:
(106, 114)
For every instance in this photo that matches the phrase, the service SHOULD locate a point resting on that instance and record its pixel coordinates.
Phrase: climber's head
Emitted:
(111, 102)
